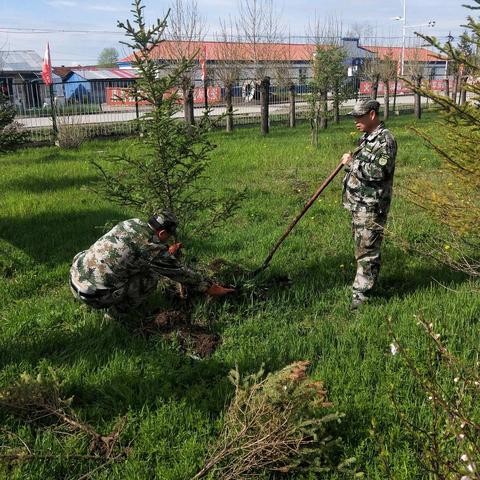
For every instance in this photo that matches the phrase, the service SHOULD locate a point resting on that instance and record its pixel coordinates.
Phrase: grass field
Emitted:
(174, 402)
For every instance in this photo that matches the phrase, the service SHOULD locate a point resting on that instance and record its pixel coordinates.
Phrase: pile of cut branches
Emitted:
(279, 423)
(37, 400)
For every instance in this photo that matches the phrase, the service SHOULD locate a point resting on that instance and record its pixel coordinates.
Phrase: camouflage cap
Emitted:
(164, 220)
(365, 106)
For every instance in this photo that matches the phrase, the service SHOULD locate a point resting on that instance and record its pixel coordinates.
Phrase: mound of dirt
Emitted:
(170, 324)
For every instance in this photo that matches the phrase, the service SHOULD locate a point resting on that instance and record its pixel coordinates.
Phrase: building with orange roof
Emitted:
(297, 56)
(433, 63)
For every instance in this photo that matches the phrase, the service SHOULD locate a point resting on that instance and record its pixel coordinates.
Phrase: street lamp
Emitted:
(431, 23)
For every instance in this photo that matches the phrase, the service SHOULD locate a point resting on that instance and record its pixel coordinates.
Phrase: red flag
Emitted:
(47, 67)
(203, 61)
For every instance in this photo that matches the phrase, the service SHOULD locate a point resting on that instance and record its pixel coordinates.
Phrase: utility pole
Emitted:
(431, 23)
(403, 35)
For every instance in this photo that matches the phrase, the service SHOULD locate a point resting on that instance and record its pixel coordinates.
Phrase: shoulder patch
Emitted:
(383, 160)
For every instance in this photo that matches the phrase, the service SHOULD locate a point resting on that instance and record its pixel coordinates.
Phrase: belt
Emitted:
(93, 294)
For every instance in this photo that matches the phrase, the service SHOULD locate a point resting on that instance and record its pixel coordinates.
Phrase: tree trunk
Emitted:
(336, 104)
(455, 88)
(463, 92)
(418, 99)
(323, 111)
(447, 87)
(375, 87)
(386, 99)
(264, 100)
(229, 105)
(292, 118)
(395, 95)
(188, 111)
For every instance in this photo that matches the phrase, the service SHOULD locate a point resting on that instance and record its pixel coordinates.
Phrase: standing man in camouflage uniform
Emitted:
(367, 192)
(121, 269)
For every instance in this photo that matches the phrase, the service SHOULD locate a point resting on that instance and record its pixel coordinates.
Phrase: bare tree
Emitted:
(259, 25)
(414, 70)
(186, 29)
(328, 70)
(229, 66)
(388, 72)
(284, 78)
(371, 69)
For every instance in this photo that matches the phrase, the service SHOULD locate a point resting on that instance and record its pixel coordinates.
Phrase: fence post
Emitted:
(54, 116)
(228, 102)
(292, 105)
(137, 114)
(264, 100)
(418, 98)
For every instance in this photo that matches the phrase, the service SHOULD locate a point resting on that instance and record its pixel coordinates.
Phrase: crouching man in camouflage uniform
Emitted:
(122, 268)
(367, 192)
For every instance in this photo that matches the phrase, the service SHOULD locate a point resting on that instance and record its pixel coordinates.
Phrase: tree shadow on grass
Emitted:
(40, 156)
(395, 279)
(54, 238)
(121, 371)
(41, 185)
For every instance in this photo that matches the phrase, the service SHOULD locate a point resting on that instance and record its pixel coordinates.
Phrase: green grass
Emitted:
(173, 402)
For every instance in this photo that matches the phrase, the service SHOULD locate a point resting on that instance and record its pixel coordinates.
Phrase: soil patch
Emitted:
(175, 324)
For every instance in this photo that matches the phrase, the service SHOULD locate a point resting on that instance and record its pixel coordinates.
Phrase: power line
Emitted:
(52, 30)
(212, 37)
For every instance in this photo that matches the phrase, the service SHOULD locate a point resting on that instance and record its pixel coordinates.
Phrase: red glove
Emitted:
(216, 290)
(175, 249)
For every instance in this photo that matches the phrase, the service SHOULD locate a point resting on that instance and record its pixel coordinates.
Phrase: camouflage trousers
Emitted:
(367, 231)
(122, 301)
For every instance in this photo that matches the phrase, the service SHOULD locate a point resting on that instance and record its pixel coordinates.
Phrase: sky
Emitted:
(78, 30)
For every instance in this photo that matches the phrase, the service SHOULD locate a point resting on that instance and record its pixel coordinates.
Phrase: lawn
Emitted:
(174, 402)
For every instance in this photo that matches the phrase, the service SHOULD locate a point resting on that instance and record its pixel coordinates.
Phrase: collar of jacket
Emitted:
(369, 137)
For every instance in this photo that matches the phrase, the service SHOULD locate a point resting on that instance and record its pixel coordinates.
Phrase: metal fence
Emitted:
(104, 107)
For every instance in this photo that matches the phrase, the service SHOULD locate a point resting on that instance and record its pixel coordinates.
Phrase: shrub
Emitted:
(71, 134)
(12, 133)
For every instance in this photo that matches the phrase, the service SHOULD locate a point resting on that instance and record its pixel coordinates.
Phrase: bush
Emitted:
(445, 428)
(12, 133)
(71, 134)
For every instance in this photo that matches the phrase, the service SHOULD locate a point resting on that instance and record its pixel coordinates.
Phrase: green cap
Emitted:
(164, 220)
(365, 106)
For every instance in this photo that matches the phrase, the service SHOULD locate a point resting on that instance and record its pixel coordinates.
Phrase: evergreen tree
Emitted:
(454, 197)
(166, 167)
(11, 132)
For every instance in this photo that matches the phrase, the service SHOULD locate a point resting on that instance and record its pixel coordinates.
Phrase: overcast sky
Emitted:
(72, 23)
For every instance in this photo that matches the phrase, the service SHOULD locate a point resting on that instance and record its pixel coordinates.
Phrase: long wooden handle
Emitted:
(299, 216)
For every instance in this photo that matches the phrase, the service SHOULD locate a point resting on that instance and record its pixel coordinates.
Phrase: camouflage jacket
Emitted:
(367, 185)
(130, 248)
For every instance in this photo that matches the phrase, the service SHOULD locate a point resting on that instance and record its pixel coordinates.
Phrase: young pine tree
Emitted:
(454, 197)
(165, 167)
(11, 132)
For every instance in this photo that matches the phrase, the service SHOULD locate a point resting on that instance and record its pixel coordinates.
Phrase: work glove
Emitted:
(174, 249)
(216, 290)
